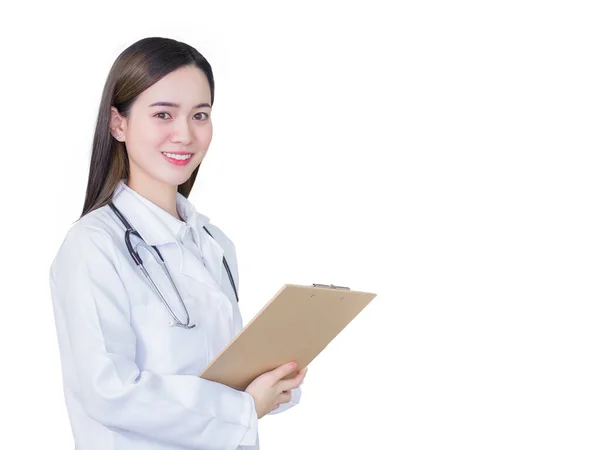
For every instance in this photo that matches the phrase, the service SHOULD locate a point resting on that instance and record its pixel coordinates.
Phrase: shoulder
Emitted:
(93, 236)
(96, 227)
(203, 222)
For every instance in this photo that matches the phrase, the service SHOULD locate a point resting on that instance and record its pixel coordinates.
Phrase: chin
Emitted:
(175, 180)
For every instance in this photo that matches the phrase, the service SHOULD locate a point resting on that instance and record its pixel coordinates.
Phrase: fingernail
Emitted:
(292, 365)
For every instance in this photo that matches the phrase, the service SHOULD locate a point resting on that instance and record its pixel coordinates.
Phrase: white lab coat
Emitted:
(130, 380)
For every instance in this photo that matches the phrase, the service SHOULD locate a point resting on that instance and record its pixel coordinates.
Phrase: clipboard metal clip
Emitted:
(330, 286)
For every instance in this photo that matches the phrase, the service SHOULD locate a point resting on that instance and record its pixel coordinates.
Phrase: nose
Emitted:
(182, 132)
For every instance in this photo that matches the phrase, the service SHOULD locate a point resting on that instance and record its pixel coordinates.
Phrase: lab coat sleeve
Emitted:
(181, 410)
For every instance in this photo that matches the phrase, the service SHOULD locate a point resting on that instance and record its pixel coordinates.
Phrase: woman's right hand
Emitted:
(269, 390)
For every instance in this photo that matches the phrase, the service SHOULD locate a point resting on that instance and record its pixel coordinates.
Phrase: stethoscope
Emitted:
(154, 251)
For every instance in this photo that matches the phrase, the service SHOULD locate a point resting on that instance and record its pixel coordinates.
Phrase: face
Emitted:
(165, 143)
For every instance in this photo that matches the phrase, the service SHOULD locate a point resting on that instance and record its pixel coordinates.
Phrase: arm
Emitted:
(182, 410)
(220, 236)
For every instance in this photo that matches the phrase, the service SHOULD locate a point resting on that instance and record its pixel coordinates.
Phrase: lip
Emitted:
(178, 162)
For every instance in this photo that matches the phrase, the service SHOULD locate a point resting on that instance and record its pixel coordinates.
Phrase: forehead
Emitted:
(187, 86)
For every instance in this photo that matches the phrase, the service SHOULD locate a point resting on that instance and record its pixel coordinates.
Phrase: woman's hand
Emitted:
(269, 390)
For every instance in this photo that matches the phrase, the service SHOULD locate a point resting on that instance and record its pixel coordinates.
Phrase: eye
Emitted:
(158, 114)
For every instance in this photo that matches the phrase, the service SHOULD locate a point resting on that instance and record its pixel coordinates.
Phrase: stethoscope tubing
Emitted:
(129, 231)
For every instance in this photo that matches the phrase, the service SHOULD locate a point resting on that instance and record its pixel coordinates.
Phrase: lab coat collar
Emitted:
(154, 224)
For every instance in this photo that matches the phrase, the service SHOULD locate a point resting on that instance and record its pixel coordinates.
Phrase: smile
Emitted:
(178, 156)
(178, 159)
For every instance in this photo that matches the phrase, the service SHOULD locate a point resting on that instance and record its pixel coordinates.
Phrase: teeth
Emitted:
(179, 157)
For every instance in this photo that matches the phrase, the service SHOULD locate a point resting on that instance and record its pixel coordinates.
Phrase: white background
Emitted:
(441, 154)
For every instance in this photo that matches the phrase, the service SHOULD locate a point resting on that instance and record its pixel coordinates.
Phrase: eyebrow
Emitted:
(177, 105)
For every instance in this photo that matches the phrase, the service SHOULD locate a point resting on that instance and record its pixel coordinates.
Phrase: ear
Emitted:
(118, 125)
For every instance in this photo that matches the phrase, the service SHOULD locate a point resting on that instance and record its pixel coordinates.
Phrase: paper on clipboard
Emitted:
(296, 325)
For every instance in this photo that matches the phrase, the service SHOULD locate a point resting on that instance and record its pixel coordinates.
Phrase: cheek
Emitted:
(156, 137)
(144, 149)
(204, 136)
(147, 137)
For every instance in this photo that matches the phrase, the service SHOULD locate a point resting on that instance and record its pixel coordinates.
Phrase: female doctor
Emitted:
(132, 343)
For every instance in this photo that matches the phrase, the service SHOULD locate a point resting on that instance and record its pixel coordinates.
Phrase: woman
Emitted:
(131, 357)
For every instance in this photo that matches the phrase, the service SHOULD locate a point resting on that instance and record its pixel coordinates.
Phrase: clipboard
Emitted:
(296, 325)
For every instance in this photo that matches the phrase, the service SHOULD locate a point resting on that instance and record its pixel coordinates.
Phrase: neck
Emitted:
(162, 195)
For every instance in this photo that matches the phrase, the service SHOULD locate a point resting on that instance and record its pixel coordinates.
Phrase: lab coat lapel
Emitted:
(213, 256)
(208, 258)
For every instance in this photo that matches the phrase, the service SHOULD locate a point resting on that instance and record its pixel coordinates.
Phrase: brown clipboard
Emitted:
(296, 325)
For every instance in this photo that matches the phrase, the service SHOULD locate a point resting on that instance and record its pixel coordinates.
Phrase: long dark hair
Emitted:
(136, 69)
